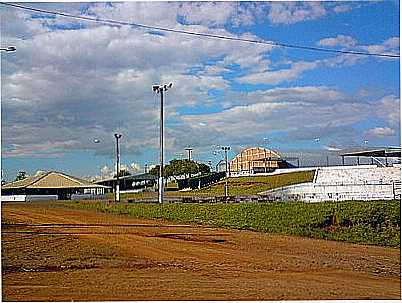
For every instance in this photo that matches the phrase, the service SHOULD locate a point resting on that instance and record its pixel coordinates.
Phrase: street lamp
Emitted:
(117, 193)
(8, 49)
(226, 149)
(159, 89)
(266, 142)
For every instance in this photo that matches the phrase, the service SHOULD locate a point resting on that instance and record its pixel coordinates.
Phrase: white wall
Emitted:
(15, 198)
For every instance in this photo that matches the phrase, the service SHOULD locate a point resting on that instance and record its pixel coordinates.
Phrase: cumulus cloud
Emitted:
(339, 40)
(388, 109)
(274, 110)
(94, 80)
(380, 132)
(389, 46)
(298, 11)
(279, 76)
(293, 12)
(90, 80)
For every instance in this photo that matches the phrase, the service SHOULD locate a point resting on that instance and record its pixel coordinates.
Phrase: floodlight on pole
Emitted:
(266, 142)
(8, 49)
(159, 89)
(226, 149)
(117, 193)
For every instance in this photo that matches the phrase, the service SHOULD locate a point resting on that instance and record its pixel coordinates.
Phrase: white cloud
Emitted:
(278, 76)
(300, 112)
(90, 82)
(339, 40)
(380, 132)
(293, 12)
(342, 8)
(207, 13)
(388, 109)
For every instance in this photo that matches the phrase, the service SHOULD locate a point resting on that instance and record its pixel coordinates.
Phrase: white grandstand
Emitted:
(341, 183)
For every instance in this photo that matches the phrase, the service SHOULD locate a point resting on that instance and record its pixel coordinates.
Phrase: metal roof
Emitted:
(144, 176)
(51, 179)
(374, 152)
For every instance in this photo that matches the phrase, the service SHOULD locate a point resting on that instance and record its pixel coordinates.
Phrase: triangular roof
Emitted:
(51, 179)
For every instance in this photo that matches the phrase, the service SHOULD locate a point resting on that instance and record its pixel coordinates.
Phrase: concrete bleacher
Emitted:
(341, 183)
(338, 175)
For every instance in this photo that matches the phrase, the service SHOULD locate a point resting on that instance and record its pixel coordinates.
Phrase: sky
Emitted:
(71, 81)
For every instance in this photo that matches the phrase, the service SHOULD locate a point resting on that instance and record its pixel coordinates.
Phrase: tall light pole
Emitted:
(226, 149)
(266, 142)
(8, 49)
(117, 194)
(317, 140)
(159, 89)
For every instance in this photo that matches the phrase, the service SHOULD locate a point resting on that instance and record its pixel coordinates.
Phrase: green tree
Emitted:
(177, 168)
(154, 171)
(21, 176)
(123, 172)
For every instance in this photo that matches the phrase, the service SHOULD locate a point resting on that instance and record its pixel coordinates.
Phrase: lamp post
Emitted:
(117, 194)
(159, 89)
(317, 140)
(226, 149)
(266, 142)
(8, 49)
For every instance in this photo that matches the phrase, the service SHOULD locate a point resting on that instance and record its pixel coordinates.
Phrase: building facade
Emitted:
(50, 185)
(256, 160)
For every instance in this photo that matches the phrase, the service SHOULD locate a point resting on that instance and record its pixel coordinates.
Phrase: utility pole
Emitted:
(159, 89)
(189, 149)
(226, 149)
(117, 193)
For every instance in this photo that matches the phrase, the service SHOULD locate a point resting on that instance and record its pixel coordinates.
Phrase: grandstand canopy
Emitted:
(375, 152)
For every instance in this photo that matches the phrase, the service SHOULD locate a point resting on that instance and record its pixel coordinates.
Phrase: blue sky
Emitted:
(72, 81)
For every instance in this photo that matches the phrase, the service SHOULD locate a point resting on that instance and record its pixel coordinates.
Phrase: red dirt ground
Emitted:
(78, 256)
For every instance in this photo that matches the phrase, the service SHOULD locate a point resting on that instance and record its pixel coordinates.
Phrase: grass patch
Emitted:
(374, 222)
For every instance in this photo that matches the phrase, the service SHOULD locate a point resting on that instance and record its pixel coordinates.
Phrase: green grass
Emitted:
(237, 186)
(375, 222)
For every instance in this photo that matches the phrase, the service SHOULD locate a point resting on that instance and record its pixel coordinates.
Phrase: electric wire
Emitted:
(271, 43)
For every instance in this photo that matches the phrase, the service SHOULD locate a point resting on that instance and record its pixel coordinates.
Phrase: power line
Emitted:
(271, 43)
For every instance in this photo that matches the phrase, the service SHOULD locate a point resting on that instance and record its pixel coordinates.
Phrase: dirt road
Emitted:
(54, 254)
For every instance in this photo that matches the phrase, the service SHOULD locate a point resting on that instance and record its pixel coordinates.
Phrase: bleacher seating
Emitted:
(342, 183)
(367, 174)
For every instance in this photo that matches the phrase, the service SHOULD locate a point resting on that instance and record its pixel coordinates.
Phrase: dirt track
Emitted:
(86, 259)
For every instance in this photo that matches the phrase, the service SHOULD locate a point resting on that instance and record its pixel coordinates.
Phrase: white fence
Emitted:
(28, 198)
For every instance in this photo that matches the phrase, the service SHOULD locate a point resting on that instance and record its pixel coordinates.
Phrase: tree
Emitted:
(21, 176)
(123, 172)
(155, 170)
(203, 168)
(177, 168)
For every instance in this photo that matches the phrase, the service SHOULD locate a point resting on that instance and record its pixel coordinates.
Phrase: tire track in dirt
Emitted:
(166, 262)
